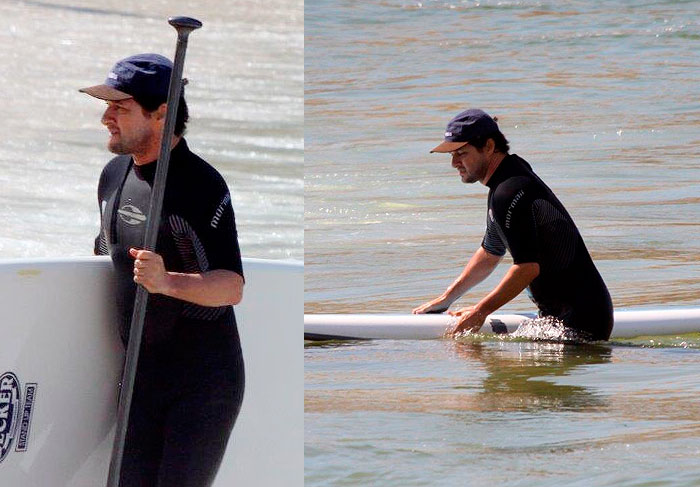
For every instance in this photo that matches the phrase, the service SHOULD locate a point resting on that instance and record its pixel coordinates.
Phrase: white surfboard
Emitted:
(61, 360)
(628, 323)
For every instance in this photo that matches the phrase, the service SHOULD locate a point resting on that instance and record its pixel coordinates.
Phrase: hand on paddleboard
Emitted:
(149, 270)
(470, 320)
(437, 305)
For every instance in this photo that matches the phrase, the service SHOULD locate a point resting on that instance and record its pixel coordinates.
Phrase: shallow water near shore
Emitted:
(503, 412)
(245, 96)
(601, 99)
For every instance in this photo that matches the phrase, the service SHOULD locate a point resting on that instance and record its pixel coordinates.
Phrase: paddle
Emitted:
(183, 25)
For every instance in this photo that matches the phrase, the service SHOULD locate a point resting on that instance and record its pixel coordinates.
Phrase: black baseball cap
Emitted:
(467, 126)
(143, 76)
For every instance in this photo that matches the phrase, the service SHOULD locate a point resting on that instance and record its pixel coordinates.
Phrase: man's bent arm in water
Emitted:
(479, 267)
(518, 277)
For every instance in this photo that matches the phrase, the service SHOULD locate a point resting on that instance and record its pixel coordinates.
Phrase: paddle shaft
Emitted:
(183, 25)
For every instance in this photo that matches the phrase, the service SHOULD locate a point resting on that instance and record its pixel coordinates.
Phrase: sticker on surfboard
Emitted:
(15, 413)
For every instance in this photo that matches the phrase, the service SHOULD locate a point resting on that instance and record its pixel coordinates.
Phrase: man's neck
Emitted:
(495, 161)
(152, 154)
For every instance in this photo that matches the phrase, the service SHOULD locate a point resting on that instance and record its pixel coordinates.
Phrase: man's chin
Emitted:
(115, 147)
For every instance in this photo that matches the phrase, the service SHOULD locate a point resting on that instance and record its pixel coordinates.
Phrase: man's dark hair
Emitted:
(183, 114)
(499, 139)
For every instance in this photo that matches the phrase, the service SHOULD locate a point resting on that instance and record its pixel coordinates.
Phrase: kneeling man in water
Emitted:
(526, 218)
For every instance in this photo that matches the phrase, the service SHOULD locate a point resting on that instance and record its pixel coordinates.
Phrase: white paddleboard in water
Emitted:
(61, 361)
(628, 323)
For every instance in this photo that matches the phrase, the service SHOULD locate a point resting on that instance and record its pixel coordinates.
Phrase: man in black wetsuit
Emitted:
(525, 218)
(190, 378)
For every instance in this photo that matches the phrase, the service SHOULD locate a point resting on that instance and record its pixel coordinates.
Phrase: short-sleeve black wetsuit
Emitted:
(525, 217)
(190, 378)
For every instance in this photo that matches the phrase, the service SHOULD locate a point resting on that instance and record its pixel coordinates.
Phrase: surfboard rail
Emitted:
(628, 324)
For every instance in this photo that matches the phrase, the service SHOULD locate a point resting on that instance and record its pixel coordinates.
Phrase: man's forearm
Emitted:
(214, 288)
(477, 269)
(518, 277)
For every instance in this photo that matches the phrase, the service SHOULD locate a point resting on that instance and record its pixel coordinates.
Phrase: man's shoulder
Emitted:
(117, 162)
(196, 169)
(512, 186)
(195, 176)
(519, 177)
(196, 189)
(115, 169)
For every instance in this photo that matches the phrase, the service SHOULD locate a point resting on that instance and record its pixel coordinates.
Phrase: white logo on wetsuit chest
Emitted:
(131, 215)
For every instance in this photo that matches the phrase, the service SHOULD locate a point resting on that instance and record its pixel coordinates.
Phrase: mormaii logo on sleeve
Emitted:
(220, 211)
(15, 414)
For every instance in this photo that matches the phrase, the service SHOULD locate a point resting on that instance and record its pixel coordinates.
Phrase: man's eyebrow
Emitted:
(117, 103)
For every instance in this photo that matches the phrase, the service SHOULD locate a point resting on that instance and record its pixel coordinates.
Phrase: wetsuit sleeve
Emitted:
(222, 237)
(213, 223)
(512, 209)
(492, 241)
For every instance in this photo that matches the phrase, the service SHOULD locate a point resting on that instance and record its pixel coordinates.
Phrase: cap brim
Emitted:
(448, 146)
(104, 92)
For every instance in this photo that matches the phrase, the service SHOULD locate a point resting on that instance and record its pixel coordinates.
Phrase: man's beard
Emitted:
(478, 174)
(470, 178)
(137, 143)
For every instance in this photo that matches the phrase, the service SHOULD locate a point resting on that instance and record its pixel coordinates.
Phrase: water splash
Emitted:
(547, 328)
(551, 329)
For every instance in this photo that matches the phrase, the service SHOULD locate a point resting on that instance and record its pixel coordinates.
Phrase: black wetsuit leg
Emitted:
(143, 446)
(197, 429)
(594, 319)
(589, 316)
(184, 409)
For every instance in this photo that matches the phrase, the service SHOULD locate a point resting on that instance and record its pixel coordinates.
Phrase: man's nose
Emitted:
(107, 115)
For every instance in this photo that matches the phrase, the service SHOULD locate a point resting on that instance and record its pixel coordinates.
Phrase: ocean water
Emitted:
(602, 99)
(445, 413)
(245, 96)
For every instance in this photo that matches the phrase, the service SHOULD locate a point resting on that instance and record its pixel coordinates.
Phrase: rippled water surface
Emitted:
(245, 98)
(422, 413)
(602, 99)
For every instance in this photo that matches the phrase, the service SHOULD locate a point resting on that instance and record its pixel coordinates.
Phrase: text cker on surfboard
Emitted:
(525, 218)
(190, 378)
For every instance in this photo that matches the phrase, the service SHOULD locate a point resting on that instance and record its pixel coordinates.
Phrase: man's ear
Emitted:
(161, 111)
